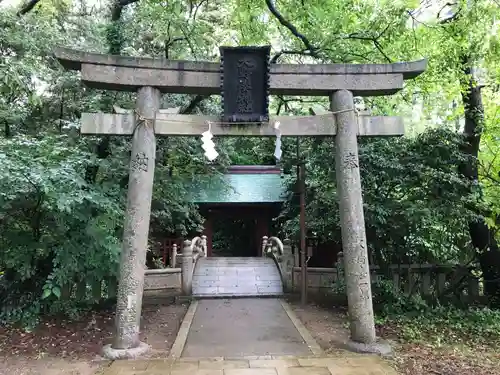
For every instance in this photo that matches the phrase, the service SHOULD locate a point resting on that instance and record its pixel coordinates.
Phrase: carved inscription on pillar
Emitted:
(365, 291)
(140, 162)
(350, 161)
(245, 84)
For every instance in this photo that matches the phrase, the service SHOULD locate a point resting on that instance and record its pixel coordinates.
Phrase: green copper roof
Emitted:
(239, 188)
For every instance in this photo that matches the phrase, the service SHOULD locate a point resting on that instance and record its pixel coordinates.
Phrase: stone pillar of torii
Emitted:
(151, 77)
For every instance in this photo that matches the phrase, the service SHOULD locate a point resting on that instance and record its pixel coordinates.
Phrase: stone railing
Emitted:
(173, 260)
(198, 248)
(160, 279)
(282, 254)
(173, 277)
(272, 247)
(191, 252)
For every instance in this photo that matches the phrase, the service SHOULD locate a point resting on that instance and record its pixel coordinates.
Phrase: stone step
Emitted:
(236, 277)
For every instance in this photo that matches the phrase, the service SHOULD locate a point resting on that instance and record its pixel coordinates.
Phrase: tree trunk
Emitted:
(482, 237)
(114, 36)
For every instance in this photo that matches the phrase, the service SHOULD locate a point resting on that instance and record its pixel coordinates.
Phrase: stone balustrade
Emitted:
(160, 279)
(191, 252)
(281, 252)
(173, 256)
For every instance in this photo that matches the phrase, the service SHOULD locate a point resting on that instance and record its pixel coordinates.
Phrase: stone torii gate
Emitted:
(151, 77)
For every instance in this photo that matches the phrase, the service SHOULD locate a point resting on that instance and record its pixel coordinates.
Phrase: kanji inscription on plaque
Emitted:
(245, 84)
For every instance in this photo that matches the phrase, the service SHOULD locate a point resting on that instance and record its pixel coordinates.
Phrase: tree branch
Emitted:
(124, 3)
(27, 7)
(195, 101)
(374, 40)
(169, 43)
(275, 58)
(310, 49)
(198, 6)
(348, 57)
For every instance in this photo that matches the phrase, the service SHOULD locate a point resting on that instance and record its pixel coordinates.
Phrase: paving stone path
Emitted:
(248, 336)
(243, 327)
(326, 365)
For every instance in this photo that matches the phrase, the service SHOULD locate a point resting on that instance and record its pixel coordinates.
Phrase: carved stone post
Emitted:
(287, 263)
(173, 256)
(340, 268)
(187, 269)
(204, 245)
(264, 245)
(356, 267)
(136, 226)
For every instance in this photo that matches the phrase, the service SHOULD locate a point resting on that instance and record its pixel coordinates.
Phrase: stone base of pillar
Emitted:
(114, 354)
(380, 347)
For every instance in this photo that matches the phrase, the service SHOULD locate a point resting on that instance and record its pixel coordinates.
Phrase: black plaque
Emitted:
(245, 84)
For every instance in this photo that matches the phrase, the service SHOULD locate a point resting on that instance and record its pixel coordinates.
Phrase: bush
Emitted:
(387, 300)
(448, 324)
(55, 229)
(416, 320)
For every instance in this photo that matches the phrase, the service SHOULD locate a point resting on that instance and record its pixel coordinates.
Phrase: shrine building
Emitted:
(244, 200)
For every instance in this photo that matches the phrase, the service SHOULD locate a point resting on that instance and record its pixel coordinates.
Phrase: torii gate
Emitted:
(150, 77)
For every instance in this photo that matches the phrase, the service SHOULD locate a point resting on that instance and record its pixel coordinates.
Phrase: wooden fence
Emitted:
(91, 292)
(426, 279)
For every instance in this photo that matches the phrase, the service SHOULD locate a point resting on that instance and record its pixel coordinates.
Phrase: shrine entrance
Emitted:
(234, 237)
(245, 77)
(237, 230)
(239, 208)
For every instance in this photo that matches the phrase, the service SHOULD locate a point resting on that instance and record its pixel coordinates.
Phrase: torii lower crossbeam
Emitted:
(189, 125)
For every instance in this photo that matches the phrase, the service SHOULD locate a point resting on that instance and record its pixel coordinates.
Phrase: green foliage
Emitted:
(56, 228)
(447, 325)
(489, 162)
(387, 301)
(416, 205)
(62, 197)
(417, 320)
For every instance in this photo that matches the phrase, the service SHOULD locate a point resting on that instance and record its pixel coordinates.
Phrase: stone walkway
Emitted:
(248, 337)
(331, 365)
(243, 327)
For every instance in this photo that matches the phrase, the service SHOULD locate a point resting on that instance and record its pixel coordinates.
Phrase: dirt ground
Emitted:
(56, 348)
(328, 326)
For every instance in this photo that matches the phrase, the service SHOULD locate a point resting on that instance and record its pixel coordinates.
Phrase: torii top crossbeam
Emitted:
(124, 73)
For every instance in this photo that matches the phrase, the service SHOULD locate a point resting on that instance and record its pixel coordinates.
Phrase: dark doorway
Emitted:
(234, 237)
